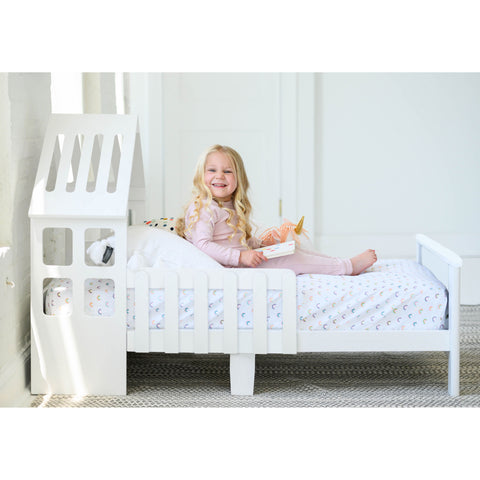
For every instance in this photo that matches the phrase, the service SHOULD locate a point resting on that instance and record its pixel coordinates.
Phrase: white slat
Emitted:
(200, 283)
(230, 326)
(105, 162)
(85, 161)
(171, 313)
(259, 313)
(142, 337)
(76, 153)
(289, 332)
(65, 163)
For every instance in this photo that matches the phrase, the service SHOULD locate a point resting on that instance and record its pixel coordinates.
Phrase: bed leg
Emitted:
(454, 326)
(454, 373)
(242, 373)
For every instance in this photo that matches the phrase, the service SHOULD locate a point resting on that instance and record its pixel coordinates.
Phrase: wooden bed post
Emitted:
(242, 365)
(242, 373)
(454, 263)
(454, 327)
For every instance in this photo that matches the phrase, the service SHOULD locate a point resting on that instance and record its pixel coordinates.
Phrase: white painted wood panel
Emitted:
(171, 313)
(241, 110)
(201, 312)
(142, 323)
(230, 341)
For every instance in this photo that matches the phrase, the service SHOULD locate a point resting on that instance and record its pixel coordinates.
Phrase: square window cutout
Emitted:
(57, 297)
(99, 247)
(99, 297)
(57, 246)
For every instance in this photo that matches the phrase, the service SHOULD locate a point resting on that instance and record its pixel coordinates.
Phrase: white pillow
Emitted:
(156, 247)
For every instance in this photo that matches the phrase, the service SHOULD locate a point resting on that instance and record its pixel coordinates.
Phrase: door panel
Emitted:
(241, 110)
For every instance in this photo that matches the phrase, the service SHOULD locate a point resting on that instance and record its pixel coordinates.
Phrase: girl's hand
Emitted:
(251, 258)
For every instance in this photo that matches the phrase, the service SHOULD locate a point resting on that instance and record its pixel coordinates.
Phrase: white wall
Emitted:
(98, 93)
(398, 154)
(143, 97)
(24, 110)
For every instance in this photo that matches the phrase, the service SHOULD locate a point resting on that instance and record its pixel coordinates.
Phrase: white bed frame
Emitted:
(81, 354)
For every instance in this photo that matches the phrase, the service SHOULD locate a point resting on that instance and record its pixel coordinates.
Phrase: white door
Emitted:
(241, 110)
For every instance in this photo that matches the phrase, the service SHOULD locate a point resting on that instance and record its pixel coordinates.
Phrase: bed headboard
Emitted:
(90, 167)
(89, 180)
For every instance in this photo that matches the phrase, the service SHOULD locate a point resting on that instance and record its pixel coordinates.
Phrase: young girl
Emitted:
(217, 221)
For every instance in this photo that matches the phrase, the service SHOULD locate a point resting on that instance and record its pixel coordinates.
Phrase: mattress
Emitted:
(391, 295)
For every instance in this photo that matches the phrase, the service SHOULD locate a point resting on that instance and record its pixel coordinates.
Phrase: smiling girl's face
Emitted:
(220, 176)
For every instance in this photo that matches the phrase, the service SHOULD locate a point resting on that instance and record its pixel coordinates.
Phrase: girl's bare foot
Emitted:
(361, 262)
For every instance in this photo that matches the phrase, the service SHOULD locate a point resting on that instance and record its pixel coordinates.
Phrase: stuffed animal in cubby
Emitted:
(100, 252)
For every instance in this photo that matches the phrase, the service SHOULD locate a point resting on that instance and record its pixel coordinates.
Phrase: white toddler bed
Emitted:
(161, 294)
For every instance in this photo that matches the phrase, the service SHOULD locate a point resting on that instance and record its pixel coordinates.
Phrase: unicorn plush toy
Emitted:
(287, 231)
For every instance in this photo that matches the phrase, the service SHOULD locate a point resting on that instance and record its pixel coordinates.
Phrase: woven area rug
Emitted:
(303, 380)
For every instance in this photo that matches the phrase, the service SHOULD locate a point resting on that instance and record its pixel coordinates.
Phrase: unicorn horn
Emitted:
(298, 228)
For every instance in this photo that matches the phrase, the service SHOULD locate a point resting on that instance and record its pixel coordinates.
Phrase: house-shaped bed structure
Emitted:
(90, 183)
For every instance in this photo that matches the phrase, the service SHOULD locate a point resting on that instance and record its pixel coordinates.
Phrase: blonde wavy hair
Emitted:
(202, 197)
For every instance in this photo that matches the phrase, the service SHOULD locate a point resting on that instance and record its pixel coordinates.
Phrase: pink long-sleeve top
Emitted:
(211, 234)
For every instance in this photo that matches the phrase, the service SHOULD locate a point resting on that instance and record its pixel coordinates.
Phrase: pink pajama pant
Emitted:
(311, 262)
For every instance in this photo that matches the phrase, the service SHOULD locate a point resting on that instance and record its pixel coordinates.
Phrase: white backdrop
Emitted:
(399, 154)
(401, 151)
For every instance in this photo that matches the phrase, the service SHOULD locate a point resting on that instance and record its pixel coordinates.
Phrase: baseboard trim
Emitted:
(15, 380)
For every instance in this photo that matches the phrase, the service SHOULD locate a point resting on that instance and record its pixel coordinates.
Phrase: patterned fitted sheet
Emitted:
(391, 295)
